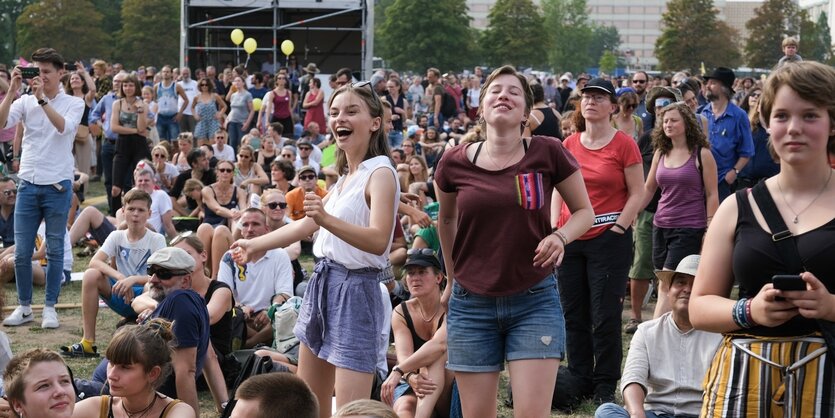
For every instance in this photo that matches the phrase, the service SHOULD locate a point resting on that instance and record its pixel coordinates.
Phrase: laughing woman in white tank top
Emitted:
(342, 315)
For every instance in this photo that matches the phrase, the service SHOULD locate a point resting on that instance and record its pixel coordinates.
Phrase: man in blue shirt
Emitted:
(640, 82)
(101, 115)
(729, 131)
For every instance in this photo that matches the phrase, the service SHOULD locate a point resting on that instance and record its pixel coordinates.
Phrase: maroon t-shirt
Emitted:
(503, 215)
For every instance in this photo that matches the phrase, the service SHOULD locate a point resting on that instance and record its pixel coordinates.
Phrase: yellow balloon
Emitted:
(237, 36)
(250, 45)
(256, 104)
(287, 47)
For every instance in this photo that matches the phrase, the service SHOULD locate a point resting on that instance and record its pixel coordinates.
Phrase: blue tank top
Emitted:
(167, 99)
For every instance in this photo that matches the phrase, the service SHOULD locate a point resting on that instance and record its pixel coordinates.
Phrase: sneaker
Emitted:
(20, 316)
(604, 393)
(631, 326)
(77, 350)
(50, 318)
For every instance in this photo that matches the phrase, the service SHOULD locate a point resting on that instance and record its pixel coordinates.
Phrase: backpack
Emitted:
(284, 319)
(238, 328)
(448, 106)
(253, 366)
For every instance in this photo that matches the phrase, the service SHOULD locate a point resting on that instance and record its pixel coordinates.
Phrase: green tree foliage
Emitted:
(772, 22)
(604, 38)
(513, 25)
(417, 34)
(111, 11)
(72, 27)
(693, 35)
(9, 11)
(570, 33)
(608, 62)
(815, 41)
(148, 38)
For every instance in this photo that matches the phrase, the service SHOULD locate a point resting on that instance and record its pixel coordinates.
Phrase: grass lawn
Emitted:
(32, 335)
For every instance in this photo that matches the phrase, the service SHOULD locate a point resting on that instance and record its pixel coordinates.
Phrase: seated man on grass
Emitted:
(667, 359)
(129, 250)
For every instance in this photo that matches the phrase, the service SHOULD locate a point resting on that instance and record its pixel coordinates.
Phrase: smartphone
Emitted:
(29, 72)
(69, 66)
(788, 282)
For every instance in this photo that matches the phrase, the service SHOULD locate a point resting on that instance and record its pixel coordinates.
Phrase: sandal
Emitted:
(77, 350)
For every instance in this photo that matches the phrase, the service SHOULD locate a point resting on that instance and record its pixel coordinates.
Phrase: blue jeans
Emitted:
(167, 127)
(36, 203)
(439, 124)
(610, 410)
(395, 138)
(108, 150)
(235, 130)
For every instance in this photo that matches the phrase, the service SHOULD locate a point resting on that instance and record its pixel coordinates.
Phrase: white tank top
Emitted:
(350, 206)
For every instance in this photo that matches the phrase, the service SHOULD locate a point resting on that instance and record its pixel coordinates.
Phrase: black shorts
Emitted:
(103, 231)
(670, 245)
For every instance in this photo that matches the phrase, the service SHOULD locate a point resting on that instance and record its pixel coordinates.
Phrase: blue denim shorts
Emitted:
(118, 304)
(486, 331)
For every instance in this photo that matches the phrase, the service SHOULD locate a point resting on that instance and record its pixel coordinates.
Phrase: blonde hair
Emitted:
(366, 407)
(13, 376)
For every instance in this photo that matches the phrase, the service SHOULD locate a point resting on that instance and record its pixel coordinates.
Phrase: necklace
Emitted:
(420, 309)
(142, 412)
(797, 214)
(501, 167)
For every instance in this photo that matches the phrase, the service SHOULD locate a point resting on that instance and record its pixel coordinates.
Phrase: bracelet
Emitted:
(748, 316)
(619, 226)
(398, 370)
(407, 376)
(561, 236)
(741, 313)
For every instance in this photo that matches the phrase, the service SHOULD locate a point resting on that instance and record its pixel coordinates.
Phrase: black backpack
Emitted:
(448, 106)
(253, 366)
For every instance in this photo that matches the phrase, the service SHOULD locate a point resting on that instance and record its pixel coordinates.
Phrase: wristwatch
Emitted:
(42, 102)
(736, 171)
(398, 370)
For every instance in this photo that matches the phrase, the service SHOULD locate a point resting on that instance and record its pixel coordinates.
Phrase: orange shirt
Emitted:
(295, 202)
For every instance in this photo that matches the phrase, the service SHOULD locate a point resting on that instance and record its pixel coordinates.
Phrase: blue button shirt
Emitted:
(729, 136)
(101, 113)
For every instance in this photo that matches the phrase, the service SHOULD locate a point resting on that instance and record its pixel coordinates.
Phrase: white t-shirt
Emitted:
(256, 283)
(383, 349)
(228, 154)
(132, 257)
(171, 172)
(160, 205)
(67, 245)
(190, 88)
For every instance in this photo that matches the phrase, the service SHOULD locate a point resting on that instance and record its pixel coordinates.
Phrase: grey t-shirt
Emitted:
(239, 107)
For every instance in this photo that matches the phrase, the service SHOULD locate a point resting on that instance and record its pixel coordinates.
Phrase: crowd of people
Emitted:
(473, 220)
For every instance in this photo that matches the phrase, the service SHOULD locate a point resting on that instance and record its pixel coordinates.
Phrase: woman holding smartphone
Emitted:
(776, 334)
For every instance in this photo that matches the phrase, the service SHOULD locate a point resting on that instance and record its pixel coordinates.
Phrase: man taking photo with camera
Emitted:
(50, 119)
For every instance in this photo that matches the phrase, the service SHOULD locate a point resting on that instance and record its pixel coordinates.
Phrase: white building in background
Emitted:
(639, 21)
(815, 8)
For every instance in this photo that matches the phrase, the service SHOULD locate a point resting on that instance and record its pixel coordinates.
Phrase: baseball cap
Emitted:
(422, 257)
(307, 168)
(600, 85)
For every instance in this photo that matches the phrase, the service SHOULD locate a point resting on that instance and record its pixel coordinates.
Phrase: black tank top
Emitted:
(212, 218)
(417, 342)
(221, 332)
(756, 259)
(549, 126)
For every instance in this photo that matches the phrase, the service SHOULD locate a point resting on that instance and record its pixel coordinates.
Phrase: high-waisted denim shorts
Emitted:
(486, 331)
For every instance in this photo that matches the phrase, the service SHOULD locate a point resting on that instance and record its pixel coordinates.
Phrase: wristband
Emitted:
(619, 226)
(398, 370)
(561, 236)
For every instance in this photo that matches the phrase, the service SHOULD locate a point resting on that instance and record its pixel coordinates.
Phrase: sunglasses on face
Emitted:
(307, 177)
(203, 85)
(756, 95)
(8, 193)
(639, 81)
(159, 156)
(273, 205)
(224, 170)
(165, 274)
(243, 156)
(287, 155)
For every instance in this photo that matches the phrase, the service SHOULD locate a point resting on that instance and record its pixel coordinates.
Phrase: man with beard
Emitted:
(640, 81)
(729, 130)
(170, 269)
(669, 387)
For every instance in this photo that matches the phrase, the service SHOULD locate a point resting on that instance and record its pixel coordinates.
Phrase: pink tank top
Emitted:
(682, 203)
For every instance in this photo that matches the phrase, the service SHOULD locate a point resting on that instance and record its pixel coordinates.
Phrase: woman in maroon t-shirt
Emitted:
(500, 252)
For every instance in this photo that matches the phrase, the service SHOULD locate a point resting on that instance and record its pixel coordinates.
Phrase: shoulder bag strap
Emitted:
(781, 236)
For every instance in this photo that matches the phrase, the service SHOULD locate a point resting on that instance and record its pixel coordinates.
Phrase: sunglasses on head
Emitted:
(421, 251)
(273, 205)
(307, 177)
(164, 273)
(180, 237)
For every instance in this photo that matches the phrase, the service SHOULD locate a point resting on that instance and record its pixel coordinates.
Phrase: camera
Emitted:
(29, 72)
